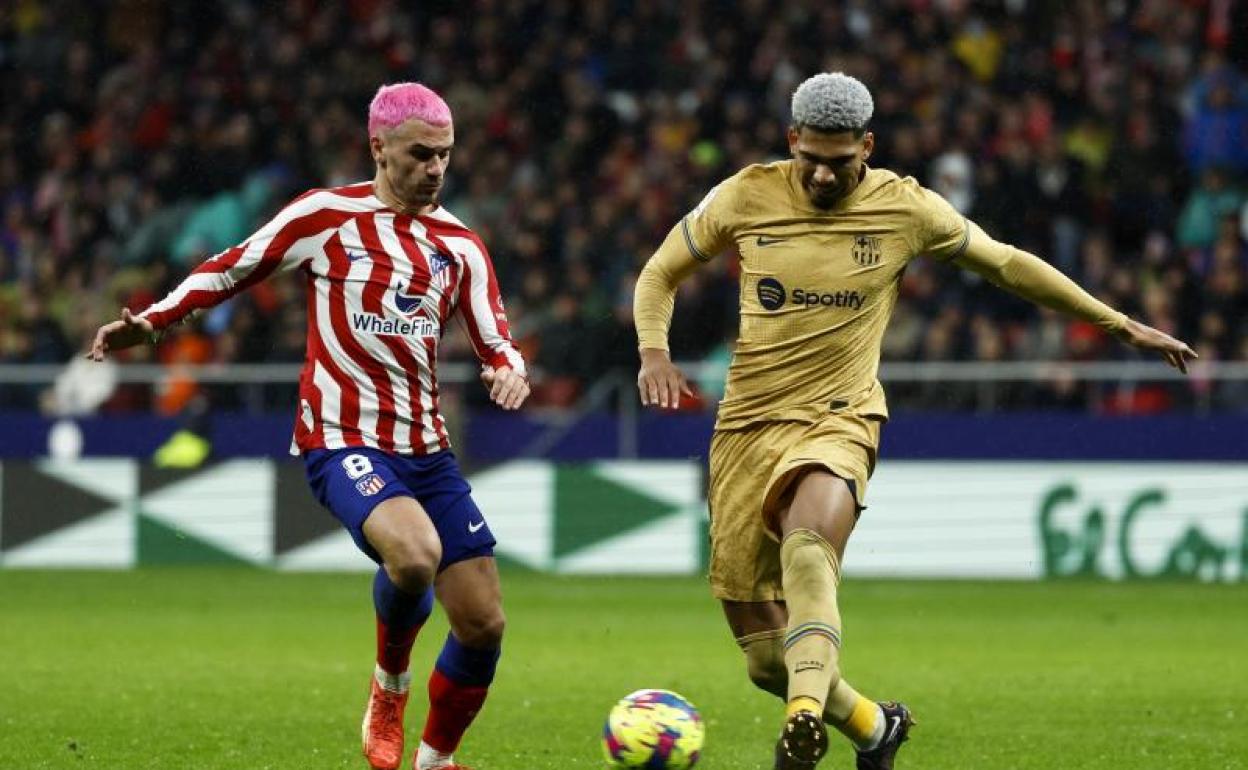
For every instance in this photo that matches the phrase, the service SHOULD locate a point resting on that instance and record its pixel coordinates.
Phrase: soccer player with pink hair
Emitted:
(387, 268)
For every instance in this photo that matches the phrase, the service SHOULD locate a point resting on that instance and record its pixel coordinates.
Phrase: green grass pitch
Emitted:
(235, 668)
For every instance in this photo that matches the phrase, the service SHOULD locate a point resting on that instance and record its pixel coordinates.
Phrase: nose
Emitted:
(823, 175)
(436, 167)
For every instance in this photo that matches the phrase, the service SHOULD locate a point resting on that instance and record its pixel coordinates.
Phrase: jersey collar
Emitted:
(866, 183)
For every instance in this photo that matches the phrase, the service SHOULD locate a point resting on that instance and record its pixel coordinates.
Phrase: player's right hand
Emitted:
(660, 382)
(127, 332)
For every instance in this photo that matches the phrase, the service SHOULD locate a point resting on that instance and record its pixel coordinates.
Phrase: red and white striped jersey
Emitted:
(381, 288)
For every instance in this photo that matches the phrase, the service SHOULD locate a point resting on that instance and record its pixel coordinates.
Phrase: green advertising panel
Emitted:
(1186, 521)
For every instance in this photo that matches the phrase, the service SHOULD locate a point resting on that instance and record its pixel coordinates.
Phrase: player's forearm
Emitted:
(504, 355)
(198, 292)
(1035, 280)
(216, 280)
(486, 324)
(654, 298)
(283, 243)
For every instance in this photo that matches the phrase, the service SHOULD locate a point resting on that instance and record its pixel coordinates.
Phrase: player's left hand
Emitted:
(507, 387)
(1176, 352)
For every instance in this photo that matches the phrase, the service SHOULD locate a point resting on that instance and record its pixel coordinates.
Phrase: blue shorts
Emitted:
(352, 482)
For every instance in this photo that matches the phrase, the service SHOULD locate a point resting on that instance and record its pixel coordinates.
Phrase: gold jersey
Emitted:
(817, 286)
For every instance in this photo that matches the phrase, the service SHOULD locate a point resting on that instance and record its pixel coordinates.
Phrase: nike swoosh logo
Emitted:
(765, 241)
(354, 257)
(474, 527)
(893, 724)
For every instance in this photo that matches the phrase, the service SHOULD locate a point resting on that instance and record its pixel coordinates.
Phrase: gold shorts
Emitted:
(751, 470)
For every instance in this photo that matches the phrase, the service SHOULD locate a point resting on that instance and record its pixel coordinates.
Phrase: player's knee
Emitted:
(764, 660)
(413, 566)
(769, 675)
(482, 630)
(413, 577)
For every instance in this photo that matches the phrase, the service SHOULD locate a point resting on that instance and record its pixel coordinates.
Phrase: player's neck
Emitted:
(840, 204)
(381, 188)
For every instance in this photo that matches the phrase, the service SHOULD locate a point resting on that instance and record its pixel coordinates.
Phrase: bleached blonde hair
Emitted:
(832, 102)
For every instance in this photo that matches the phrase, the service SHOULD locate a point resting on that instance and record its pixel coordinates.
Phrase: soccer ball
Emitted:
(654, 729)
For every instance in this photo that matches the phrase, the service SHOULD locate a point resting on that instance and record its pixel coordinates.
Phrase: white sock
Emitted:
(877, 733)
(429, 758)
(393, 682)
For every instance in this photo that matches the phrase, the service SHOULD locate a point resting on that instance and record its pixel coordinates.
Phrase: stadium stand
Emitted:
(138, 137)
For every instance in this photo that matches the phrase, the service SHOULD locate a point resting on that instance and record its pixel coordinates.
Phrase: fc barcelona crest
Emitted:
(867, 250)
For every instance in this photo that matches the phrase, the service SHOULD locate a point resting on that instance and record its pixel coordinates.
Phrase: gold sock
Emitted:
(802, 703)
(813, 637)
(764, 657)
(852, 714)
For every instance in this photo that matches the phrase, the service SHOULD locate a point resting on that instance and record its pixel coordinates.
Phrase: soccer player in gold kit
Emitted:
(824, 240)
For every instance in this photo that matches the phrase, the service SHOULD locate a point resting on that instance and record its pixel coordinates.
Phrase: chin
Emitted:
(824, 203)
(420, 200)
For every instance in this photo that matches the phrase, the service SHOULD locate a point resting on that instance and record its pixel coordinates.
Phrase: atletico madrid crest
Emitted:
(867, 250)
(370, 485)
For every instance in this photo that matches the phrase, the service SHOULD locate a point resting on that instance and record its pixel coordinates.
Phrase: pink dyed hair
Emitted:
(398, 103)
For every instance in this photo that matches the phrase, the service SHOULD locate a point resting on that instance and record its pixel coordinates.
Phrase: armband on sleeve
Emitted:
(707, 230)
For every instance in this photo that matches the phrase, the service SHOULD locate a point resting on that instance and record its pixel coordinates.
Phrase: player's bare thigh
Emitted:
(472, 596)
(405, 538)
(818, 500)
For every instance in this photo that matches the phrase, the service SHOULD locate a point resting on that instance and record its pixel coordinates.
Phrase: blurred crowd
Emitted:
(138, 137)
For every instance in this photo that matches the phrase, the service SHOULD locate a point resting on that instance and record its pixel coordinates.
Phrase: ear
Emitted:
(793, 133)
(375, 146)
(868, 145)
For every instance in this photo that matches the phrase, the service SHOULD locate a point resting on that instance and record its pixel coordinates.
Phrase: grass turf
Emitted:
(236, 668)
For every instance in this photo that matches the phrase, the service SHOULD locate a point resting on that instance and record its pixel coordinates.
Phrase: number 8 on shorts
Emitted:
(356, 465)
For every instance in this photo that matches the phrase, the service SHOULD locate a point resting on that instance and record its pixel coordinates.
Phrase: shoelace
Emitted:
(385, 716)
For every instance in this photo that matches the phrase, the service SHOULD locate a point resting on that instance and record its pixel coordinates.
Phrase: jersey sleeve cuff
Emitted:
(1115, 323)
(655, 340)
(158, 320)
(498, 361)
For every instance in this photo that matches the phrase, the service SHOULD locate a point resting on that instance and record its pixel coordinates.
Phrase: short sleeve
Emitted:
(943, 231)
(708, 229)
